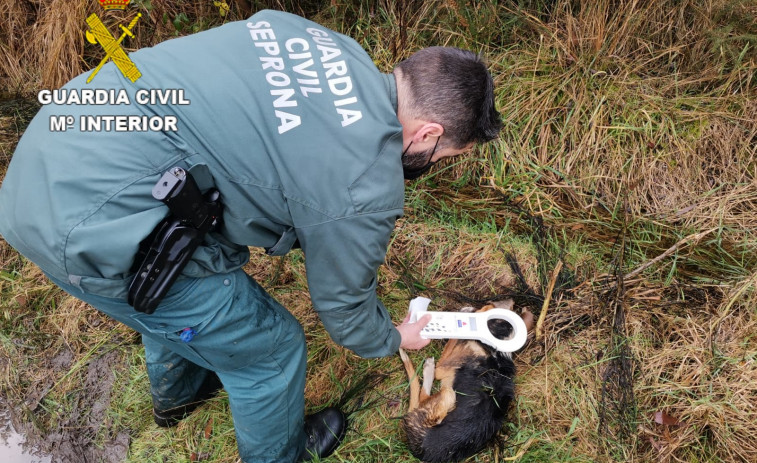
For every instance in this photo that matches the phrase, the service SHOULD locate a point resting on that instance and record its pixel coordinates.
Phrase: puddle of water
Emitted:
(12, 446)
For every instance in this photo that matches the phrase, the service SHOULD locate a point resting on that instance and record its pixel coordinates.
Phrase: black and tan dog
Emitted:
(477, 386)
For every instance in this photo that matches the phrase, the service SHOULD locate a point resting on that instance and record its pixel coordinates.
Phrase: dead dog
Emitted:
(477, 386)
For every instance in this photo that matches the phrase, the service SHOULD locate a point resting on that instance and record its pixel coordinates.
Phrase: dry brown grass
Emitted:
(456, 260)
(44, 43)
(14, 54)
(706, 378)
(636, 115)
(694, 376)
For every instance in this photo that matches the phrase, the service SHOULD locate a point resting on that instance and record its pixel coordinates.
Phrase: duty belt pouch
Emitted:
(167, 249)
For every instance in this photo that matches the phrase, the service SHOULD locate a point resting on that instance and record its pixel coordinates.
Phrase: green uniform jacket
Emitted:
(290, 121)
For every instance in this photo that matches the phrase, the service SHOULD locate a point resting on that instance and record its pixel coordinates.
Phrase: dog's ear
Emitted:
(505, 304)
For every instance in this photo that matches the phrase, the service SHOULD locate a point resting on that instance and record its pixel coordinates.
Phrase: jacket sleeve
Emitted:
(342, 258)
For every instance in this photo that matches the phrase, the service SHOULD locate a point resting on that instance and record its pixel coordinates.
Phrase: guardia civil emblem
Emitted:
(98, 33)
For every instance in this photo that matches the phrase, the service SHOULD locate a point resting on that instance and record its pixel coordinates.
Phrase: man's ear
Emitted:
(428, 131)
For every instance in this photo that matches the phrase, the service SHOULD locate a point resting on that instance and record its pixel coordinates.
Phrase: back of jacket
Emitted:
(290, 121)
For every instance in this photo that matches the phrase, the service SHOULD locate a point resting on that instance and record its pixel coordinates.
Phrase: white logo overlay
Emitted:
(114, 123)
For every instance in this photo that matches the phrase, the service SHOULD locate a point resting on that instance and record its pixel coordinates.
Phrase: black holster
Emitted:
(166, 250)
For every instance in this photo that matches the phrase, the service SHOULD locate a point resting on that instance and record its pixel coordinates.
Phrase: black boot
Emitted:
(324, 432)
(208, 389)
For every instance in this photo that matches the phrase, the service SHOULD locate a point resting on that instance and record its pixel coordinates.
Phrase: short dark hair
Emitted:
(451, 87)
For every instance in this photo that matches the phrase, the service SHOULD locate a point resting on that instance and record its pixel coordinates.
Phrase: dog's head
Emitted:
(498, 327)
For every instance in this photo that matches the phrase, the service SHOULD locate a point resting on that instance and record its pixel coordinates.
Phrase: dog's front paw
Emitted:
(429, 370)
(429, 366)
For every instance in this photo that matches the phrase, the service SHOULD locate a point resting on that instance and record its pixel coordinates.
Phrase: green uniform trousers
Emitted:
(255, 345)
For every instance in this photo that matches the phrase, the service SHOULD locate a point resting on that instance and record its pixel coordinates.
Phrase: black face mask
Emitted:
(411, 167)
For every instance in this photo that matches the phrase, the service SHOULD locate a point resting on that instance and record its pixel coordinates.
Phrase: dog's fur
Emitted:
(472, 402)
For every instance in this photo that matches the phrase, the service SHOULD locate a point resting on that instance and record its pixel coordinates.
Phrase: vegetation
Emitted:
(625, 178)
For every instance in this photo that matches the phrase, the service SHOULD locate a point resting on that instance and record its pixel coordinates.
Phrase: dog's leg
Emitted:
(438, 406)
(415, 385)
(428, 378)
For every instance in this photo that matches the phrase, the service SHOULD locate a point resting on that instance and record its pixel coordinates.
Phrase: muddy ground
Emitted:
(71, 435)
(74, 437)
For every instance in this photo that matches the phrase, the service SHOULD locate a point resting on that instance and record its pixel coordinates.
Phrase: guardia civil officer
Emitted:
(286, 136)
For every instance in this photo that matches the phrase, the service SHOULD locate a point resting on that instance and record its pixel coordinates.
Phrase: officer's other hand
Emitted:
(410, 333)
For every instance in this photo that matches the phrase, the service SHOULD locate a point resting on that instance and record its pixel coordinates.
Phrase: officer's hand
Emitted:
(410, 333)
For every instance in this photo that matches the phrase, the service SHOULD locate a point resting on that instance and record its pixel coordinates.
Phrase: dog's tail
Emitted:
(415, 384)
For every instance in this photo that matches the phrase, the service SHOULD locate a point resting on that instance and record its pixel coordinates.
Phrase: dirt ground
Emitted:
(72, 439)
(74, 436)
